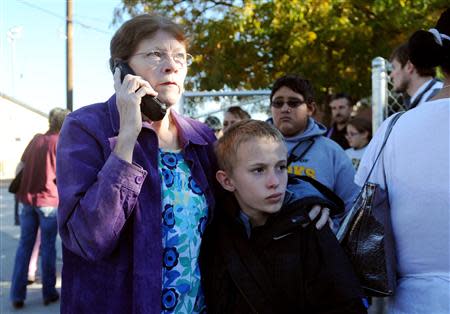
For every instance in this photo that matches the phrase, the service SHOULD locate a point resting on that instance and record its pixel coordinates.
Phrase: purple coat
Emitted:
(109, 214)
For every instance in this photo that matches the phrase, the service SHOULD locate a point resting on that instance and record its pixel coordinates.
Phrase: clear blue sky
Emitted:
(40, 53)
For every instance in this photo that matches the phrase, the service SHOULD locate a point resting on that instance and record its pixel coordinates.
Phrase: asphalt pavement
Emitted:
(9, 238)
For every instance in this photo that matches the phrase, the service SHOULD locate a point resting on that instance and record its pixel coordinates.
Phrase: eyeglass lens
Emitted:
(159, 56)
(291, 103)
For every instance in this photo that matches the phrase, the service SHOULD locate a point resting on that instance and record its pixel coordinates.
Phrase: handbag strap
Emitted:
(386, 136)
(346, 223)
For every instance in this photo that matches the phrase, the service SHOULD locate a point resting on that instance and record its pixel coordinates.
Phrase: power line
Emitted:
(94, 19)
(63, 17)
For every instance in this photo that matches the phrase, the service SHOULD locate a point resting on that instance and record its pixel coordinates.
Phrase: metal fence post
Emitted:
(379, 91)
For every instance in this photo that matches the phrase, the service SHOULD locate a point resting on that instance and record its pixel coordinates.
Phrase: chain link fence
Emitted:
(199, 105)
(385, 101)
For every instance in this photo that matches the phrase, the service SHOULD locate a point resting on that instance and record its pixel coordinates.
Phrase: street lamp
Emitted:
(13, 34)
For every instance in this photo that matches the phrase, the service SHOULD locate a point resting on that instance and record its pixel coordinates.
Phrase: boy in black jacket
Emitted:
(261, 254)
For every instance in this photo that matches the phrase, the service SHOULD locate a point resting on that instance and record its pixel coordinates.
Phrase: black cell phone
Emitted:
(151, 106)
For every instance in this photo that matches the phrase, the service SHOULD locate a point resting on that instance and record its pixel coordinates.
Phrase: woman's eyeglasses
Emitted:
(291, 103)
(157, 57)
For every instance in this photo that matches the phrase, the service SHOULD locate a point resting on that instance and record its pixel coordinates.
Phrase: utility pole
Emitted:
(14, 33)
(69, 76)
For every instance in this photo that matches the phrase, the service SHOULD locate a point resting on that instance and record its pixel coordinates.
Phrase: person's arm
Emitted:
(19, 167)
(344, 175)
(97, 193)
(25, 155)
(319, 213)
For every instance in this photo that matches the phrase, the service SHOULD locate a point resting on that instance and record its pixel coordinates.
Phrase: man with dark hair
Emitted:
(310, 152)
(341, 108)
(38, 201)
(417, 82)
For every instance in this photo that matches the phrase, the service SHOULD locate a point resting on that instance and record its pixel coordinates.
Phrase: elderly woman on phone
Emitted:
(136, 184)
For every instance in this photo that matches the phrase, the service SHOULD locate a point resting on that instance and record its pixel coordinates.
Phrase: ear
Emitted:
(366, 135)
(225, 181)
(409, 67)
(311, 108)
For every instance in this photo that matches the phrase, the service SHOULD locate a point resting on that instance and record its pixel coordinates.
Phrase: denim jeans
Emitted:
(31, 218)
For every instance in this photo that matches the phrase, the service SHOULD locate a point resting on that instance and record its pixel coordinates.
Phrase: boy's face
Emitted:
(259, 178)
(290, 121)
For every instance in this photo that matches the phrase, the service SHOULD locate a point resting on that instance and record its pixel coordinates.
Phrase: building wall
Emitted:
(18, 124)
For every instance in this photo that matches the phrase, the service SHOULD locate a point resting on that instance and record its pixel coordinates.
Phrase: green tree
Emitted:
(247, 44)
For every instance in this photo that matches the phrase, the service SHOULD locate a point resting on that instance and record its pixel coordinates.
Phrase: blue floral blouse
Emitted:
(184, 217)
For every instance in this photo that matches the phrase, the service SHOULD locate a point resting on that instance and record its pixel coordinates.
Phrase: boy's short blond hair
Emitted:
(240, 132)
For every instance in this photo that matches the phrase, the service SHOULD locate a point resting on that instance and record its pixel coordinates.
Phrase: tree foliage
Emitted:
(248, 44)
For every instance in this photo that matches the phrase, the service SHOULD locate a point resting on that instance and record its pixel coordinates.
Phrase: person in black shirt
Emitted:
(341, 108)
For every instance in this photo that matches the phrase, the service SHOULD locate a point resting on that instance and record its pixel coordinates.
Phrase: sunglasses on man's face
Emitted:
(292, 103)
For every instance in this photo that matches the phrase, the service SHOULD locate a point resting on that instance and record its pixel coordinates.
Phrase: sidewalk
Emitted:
(9, 236)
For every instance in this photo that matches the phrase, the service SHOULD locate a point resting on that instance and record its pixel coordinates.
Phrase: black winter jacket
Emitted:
(281, 268)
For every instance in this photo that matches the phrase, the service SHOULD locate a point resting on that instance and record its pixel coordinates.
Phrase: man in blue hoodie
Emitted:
(310, 152)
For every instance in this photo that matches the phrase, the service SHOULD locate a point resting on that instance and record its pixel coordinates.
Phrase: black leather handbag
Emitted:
(14, 186)
(367, 238)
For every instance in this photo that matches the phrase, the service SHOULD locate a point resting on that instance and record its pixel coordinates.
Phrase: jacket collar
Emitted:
(186, 131)
(292, 215)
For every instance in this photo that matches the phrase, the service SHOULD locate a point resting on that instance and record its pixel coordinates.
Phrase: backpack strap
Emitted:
(420, 96)
(327, 192)
(297, 153)
(433, 93)
(324, 190)
(300, 149)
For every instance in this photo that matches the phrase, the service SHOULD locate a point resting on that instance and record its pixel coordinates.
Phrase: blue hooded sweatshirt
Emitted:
(324, 161)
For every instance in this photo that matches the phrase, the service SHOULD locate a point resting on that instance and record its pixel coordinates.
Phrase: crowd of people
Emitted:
(161, 217)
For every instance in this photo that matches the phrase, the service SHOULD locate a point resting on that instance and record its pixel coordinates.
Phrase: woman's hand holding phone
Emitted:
(129, 94)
